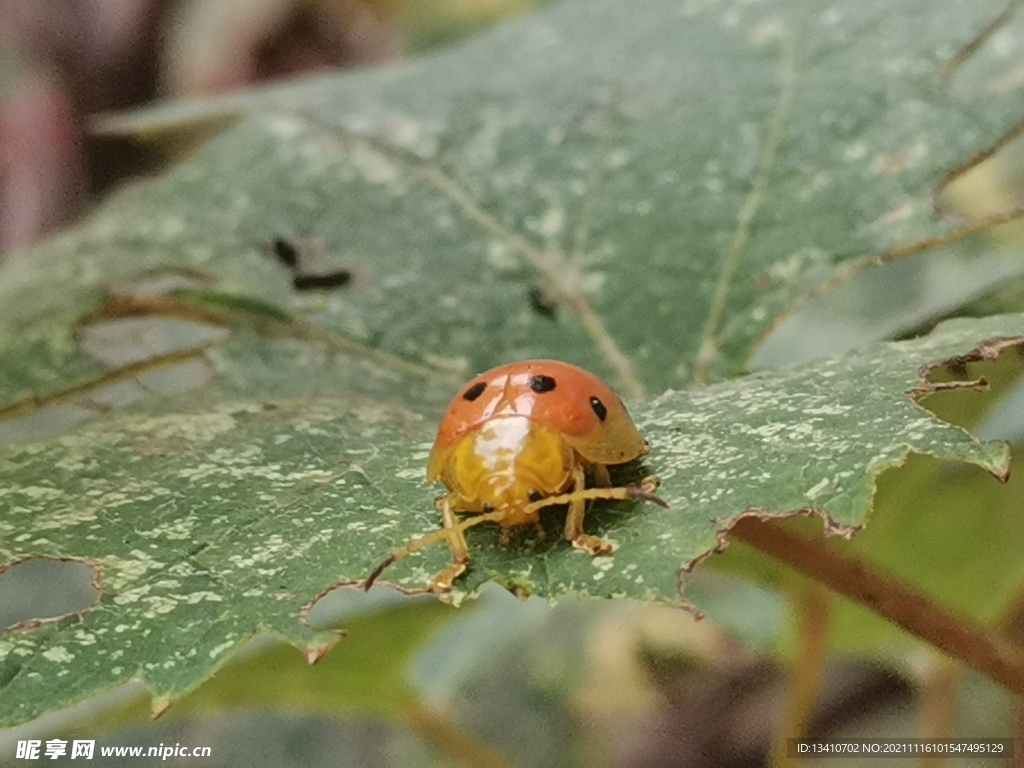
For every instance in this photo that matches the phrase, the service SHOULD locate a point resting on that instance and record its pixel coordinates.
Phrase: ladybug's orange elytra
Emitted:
(522, 437)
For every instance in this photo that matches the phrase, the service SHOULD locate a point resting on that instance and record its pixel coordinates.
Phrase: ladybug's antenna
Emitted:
(430, 538)
(636, 493)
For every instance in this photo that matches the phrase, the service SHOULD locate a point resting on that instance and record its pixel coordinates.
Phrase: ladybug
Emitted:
(521, 437)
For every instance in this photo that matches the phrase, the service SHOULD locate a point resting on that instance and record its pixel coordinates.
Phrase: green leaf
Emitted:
(671, 178)
(209, 526)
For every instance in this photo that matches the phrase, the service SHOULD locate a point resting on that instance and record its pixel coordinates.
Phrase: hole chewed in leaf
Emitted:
(147, 341)
(950, 389)
(35, 424)
(126, 341)
(145, 320)
(42, 590)
(348, 598)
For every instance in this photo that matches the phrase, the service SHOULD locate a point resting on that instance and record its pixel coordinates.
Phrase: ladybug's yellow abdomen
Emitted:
(505, 464)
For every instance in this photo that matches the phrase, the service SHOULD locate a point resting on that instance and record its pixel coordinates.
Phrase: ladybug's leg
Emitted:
(650, 484)
(601, 477)
(456, 539)
(574, 521)
(442, 582)
(460, 551)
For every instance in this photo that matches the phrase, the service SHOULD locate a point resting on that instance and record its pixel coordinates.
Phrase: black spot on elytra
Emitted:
(599, 409)
(535, 495)
(474, 392)
(542, 383)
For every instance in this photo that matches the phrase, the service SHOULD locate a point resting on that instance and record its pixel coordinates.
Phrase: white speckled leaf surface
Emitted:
(207, 527)
(672, 177)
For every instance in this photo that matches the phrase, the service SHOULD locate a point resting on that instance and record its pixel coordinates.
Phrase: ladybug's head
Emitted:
(505, 466)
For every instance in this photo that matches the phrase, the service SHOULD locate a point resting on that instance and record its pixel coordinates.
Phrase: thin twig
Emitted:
(936, 691)
(888, 596)
(813, 606)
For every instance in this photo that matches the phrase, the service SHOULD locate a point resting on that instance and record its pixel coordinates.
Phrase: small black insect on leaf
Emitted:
(297, 253)
(286, 250)
(327, 280)
(542, 303)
